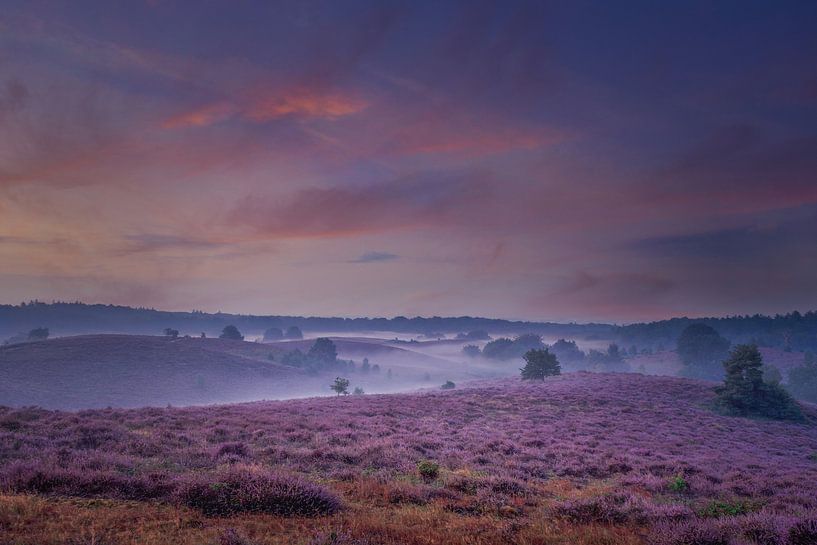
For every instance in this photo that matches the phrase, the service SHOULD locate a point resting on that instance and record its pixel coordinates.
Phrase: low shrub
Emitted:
(428, 469)
(678, 484)
(719, 508)
(241, 490)
(48, 479)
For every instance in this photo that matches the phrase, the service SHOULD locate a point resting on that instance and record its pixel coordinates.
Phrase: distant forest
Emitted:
(793, 331)
(81, 318)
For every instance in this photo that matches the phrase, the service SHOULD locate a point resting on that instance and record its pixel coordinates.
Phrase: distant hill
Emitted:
(134, 370)
(80, 318)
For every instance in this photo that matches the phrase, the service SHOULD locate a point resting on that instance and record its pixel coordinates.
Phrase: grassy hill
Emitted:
(579, 459)
(137, 370)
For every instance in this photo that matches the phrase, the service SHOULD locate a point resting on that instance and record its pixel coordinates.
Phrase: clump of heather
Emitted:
(243, 490)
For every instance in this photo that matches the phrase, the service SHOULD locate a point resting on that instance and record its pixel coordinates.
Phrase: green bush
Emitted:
(678, 484)
(428, 469)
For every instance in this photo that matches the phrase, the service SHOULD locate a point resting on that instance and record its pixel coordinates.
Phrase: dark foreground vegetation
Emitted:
(579, 458)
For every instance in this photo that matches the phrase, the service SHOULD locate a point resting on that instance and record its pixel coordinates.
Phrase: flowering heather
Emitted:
(603, 453)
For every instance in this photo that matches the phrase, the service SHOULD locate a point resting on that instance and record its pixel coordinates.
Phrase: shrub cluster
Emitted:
(242, 490)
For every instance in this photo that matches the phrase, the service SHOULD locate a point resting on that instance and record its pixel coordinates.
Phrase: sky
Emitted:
(566, 161)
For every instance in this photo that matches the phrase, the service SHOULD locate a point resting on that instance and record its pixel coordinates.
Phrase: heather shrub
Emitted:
(803, 532)
(38, 478)
(608, 508)
(242, 490)
(692, 532)
(236, 449)
(428, 469)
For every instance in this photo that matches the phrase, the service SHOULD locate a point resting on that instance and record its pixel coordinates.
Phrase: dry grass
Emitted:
(33, 520)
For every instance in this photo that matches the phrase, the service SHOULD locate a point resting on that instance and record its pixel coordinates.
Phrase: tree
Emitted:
(273, 334)
(294, 332)
(231, 332)
(471, 350)
(701, 349)
(341, 386)
(365, 367)
(38, 334)
(744, 393)
(567, 352)
(448, 385)
(323, 353)
(172, 333)
(540, 363)
(358, 391)
(803, 379)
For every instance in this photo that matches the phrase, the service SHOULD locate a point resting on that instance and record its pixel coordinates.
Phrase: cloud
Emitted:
(420, 200)
(269, 106)
(148, 242)
(375, 257)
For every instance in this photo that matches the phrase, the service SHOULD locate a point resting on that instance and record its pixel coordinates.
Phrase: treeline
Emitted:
(80, 318)
(793, 331)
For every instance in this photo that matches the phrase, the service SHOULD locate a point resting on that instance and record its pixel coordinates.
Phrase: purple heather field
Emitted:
(667, 461)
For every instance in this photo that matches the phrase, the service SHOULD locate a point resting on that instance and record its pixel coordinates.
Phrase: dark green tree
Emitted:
(744, 393)
(701, 350)
(448, 385)
(340, 386)
(231, 332)
(540, 363)
(170, 332)
(294, 332)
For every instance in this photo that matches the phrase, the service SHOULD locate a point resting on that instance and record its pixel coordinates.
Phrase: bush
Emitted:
(678, 484)
(448, 385)
(428, 469)
(246, 491)
(231, 332)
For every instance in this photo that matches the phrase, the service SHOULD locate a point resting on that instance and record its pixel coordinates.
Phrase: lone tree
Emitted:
(231, 332)
(294, 332)
(540, 363)
(172, 333)
(744, 393)
(701, 349)
(38, 334)
(341, 386)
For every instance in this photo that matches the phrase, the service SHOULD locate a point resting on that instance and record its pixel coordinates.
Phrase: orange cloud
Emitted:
(201, 117)
(265, 107)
